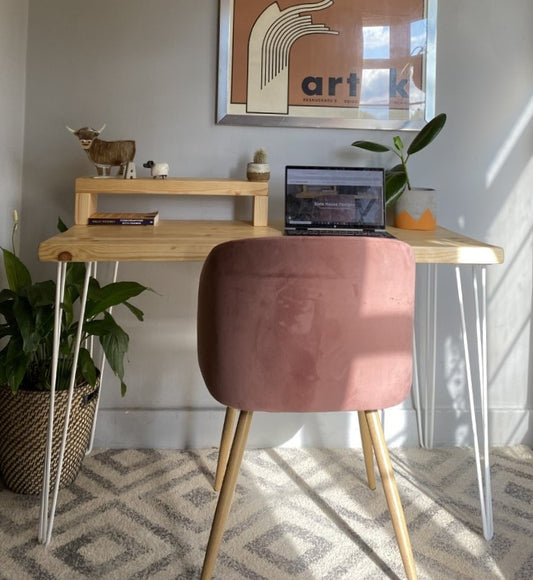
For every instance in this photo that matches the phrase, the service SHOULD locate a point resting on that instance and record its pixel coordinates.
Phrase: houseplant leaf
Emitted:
(371, 146)
(114, 341)
(395, 183)
(427, 134)
(18, 276)
(111, 295)
(87, 367)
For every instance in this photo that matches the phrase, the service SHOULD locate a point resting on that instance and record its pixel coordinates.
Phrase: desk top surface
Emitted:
(193, 240)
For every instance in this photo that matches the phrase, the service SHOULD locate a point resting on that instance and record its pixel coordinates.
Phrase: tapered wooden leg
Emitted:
(226, 493)
(368, 453)
(391, 493)
(225, 445)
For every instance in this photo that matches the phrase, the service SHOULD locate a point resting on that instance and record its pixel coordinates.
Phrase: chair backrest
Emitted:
(307, 324)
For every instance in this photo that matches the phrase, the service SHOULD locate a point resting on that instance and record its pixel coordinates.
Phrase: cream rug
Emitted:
(304, 514)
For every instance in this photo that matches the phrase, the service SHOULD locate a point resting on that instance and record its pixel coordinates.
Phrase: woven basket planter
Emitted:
(24, 431)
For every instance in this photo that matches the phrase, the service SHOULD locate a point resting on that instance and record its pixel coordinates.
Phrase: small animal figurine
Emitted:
(157, 170)
(104, 154)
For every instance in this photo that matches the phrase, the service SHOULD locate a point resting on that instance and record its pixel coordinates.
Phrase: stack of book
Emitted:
(124, 219)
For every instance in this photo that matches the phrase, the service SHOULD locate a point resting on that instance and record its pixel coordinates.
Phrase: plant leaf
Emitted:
(26, 324)
(17, 362)
(398, 143)
(114, 341)
(42, 294)
(111, 295)
(18, 276)
(62, 228)
(87, 367)
(139, 314)
(395, 184)
(371, 146)
(427, 134)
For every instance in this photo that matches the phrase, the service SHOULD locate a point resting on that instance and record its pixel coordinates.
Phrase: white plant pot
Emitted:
(416, 209)
(258, 171)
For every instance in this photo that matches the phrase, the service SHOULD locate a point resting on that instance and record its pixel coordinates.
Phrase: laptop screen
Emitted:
(334, 197)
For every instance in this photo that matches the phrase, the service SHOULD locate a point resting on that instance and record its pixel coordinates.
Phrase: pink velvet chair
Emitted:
(295, 324)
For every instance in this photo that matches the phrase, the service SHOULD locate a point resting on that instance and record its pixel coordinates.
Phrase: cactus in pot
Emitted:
(258, 169)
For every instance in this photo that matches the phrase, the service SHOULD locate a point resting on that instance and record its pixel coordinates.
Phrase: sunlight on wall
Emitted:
(510, 297)
(507, 147)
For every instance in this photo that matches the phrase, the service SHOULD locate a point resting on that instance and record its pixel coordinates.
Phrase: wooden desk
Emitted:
(193, 240)
(169, 241)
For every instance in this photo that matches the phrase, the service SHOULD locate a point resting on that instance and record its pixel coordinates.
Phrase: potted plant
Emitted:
(26, 343)
(258, 169)
(415, 207)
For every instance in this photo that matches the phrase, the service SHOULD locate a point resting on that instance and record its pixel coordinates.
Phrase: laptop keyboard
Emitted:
(363, 234)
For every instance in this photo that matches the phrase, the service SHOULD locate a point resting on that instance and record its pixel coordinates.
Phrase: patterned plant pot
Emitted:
(416, 209)
(24, 432)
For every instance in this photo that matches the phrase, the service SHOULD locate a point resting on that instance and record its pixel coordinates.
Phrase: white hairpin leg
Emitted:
(431, 358)
(424, 361)
(482, 459)
(60, 288)
(47, 516)
(417, 403)
(102, 368)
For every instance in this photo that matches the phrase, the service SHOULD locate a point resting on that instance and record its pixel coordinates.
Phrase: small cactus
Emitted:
(260, 156)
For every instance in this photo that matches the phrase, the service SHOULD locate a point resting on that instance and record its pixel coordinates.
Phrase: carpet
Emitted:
(298, 513)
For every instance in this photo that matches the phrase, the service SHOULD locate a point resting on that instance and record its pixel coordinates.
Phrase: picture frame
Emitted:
(327, 63)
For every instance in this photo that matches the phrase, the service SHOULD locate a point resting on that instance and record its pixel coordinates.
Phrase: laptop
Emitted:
(325, 201)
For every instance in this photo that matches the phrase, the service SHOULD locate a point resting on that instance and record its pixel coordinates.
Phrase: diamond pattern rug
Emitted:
(298, 513)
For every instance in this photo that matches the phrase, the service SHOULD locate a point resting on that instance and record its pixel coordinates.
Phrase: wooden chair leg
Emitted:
(226, 494)
(368, 453)
(225, 445)
(391, 493)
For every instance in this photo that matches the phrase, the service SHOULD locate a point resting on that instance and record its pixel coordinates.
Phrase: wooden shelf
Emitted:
(89, 188)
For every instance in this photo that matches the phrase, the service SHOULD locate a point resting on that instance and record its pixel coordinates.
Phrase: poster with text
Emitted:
(336, 63)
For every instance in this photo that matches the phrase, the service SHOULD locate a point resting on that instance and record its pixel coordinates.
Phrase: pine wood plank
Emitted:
(443, 246)
(89, 188)
(168, 241)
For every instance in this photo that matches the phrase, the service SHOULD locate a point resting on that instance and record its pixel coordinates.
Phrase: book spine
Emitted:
(121, 222)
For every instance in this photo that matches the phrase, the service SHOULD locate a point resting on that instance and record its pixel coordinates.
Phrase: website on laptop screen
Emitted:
(334, 197)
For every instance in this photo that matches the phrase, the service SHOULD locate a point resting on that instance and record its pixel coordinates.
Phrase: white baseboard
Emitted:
(199, 428)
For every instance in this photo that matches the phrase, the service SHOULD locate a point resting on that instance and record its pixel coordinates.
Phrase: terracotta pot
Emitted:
(416, 210)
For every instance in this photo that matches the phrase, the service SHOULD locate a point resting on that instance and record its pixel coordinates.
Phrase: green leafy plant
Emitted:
(397, 178)
(27, 326)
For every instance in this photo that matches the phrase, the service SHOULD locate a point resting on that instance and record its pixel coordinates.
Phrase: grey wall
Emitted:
(13, 28)
(148, 70)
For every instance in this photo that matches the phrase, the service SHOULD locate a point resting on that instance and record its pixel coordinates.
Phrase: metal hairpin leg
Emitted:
(481, 449)
(102, 368)
(424, 365)
(431, 355)
(47, 514)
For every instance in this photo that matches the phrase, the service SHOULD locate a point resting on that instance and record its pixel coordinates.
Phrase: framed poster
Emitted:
(366, 64)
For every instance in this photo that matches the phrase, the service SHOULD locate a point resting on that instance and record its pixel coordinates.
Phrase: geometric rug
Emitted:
(297, 513)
